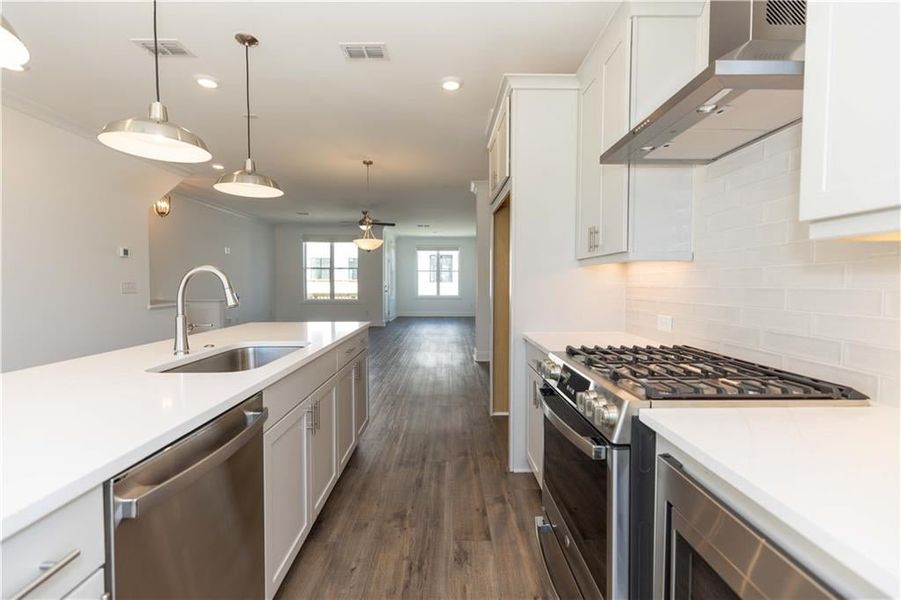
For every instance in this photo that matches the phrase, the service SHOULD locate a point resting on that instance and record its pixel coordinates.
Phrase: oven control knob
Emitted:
(549, 369)
(585, 401)
(606, 415)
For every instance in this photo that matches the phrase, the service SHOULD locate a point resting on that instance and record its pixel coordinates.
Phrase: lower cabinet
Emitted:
(323, 463)
(346, 431)
(92, 588)
(535, 425)
(286, 483)
(305, 451)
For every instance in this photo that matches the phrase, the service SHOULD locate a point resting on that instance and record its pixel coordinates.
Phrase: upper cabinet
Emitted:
(850, 142)
(624, 213)
(499, 150)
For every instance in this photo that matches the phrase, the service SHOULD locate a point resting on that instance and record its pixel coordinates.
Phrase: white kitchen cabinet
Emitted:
(69, 543)
(345, 428)
(286, 483)
(625, 212)
(535, 426)
(361, 394)
(850, 131)
(499, 151)
(323, 450)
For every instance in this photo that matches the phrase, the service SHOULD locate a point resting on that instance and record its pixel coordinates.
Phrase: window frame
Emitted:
(438, 249)
(331, 240)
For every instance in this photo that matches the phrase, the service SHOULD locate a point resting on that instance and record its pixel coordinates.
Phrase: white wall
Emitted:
(68, 204)
(389, 266)
(195, 233)
(483, 271)
(409, 304)
(760, 290)
(289, 299)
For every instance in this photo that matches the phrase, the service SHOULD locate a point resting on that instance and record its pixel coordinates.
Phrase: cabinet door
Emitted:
(849, 144)
(345, 429)
(286, 489)
(614, 124)
(492, 166)
(92, 588)
(535, 426)
(503, 144)
(323, 461)
(588, 210)
(361, 394)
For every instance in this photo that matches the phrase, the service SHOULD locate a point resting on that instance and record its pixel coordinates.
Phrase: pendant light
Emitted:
(13, 53)
(154, 136)
(247, 182)
(368, 242)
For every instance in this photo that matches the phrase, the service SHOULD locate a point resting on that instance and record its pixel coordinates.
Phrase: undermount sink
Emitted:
(236, 359)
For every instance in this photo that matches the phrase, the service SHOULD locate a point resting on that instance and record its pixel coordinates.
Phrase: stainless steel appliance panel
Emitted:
(705, 551)
(188, 521)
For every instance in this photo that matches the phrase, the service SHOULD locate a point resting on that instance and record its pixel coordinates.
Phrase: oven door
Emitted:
(708, 552)
(585, 496)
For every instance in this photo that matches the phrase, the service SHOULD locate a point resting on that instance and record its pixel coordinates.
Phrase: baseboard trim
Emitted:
(481, 356)
(500, 414)
(436, 314)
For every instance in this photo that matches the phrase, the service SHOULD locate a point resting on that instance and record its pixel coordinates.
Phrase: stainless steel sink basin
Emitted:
(236, 359)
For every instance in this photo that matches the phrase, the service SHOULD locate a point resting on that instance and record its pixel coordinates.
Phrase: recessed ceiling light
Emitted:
(205, 81)
(451, 84)
(217, 166)
(646, 148)
(706, 108)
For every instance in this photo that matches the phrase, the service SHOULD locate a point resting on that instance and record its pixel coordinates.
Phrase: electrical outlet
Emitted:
(664, 323)
(228, 250)
(128, 287)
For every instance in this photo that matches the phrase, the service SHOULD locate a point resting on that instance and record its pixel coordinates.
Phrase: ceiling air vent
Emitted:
(786, 12)
(164, 47)
(364, 51)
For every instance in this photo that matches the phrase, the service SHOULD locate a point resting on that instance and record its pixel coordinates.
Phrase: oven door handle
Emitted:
(583, 443)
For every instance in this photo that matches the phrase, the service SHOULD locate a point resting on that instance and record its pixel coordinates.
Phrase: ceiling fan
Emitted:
(368, 241)
(367, 222)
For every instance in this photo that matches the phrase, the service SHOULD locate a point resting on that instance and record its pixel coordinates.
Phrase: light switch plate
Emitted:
(664, 323)
(228, 250)
(128, 287)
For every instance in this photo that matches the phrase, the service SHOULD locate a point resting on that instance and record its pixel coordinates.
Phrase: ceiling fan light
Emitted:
(155, 137)
(248, 183)
(368, 244)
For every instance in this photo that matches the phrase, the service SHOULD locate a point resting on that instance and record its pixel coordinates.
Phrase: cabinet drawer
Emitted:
(72, 535)
(349, 349)
(282, 396)
(91, 588)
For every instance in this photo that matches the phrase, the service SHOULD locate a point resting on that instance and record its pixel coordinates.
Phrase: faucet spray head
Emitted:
(231, 298)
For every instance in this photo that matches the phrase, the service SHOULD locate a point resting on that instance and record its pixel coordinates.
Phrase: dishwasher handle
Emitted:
(129, 507)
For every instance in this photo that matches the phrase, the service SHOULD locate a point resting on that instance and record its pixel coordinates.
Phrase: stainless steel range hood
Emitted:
(752, 88)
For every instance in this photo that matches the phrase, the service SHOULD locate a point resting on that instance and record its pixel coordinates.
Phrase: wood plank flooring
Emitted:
(425, 508)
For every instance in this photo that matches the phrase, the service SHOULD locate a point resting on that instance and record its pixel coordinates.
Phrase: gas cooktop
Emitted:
(684, 372)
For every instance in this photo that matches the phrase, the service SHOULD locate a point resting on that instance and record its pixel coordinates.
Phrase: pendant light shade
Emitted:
(247, 182)
(13, 53)
(368, 242)
(154, 136)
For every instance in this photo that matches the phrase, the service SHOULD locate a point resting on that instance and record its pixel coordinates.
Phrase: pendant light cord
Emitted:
(156, 55)
(247, 87)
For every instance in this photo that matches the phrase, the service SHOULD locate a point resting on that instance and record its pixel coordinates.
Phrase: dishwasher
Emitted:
(188, 521)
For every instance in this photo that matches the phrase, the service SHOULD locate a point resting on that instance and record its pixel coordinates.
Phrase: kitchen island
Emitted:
(68, 427)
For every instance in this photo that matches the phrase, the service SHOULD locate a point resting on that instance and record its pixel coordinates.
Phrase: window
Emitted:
(330, 270)
(438, 272)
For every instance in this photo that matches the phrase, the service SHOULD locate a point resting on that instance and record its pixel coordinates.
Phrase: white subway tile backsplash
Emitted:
(848, 302)
(867, 330)
(761, 290)
(829, 351)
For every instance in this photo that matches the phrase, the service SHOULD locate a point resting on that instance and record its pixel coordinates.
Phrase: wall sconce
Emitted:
(163, 206)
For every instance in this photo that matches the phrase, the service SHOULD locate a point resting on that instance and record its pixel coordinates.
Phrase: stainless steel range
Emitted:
(592, 544)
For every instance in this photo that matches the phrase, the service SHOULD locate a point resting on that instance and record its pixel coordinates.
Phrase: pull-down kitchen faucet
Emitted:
(181, 321)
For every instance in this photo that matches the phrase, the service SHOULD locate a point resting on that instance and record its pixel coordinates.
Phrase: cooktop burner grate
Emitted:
(687, 373)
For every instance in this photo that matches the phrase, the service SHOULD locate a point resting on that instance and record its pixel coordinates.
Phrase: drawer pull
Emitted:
(349, 350)
(49, 570)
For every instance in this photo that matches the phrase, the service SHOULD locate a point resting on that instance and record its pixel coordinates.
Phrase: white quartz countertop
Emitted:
(557, 341)
(830, 476)
(68, 426)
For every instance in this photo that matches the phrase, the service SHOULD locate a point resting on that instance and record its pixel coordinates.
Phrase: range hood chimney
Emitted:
(752, 88)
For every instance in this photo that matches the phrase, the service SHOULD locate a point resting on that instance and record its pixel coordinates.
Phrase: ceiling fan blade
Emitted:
(384, 223)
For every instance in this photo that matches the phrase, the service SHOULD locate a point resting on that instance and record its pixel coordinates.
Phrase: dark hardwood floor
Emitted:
(425, 508)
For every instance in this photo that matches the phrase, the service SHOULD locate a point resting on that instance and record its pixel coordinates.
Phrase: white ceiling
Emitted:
(319, 114)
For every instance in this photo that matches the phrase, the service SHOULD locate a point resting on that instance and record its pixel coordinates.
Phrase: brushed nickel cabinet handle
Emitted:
(49, 570)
